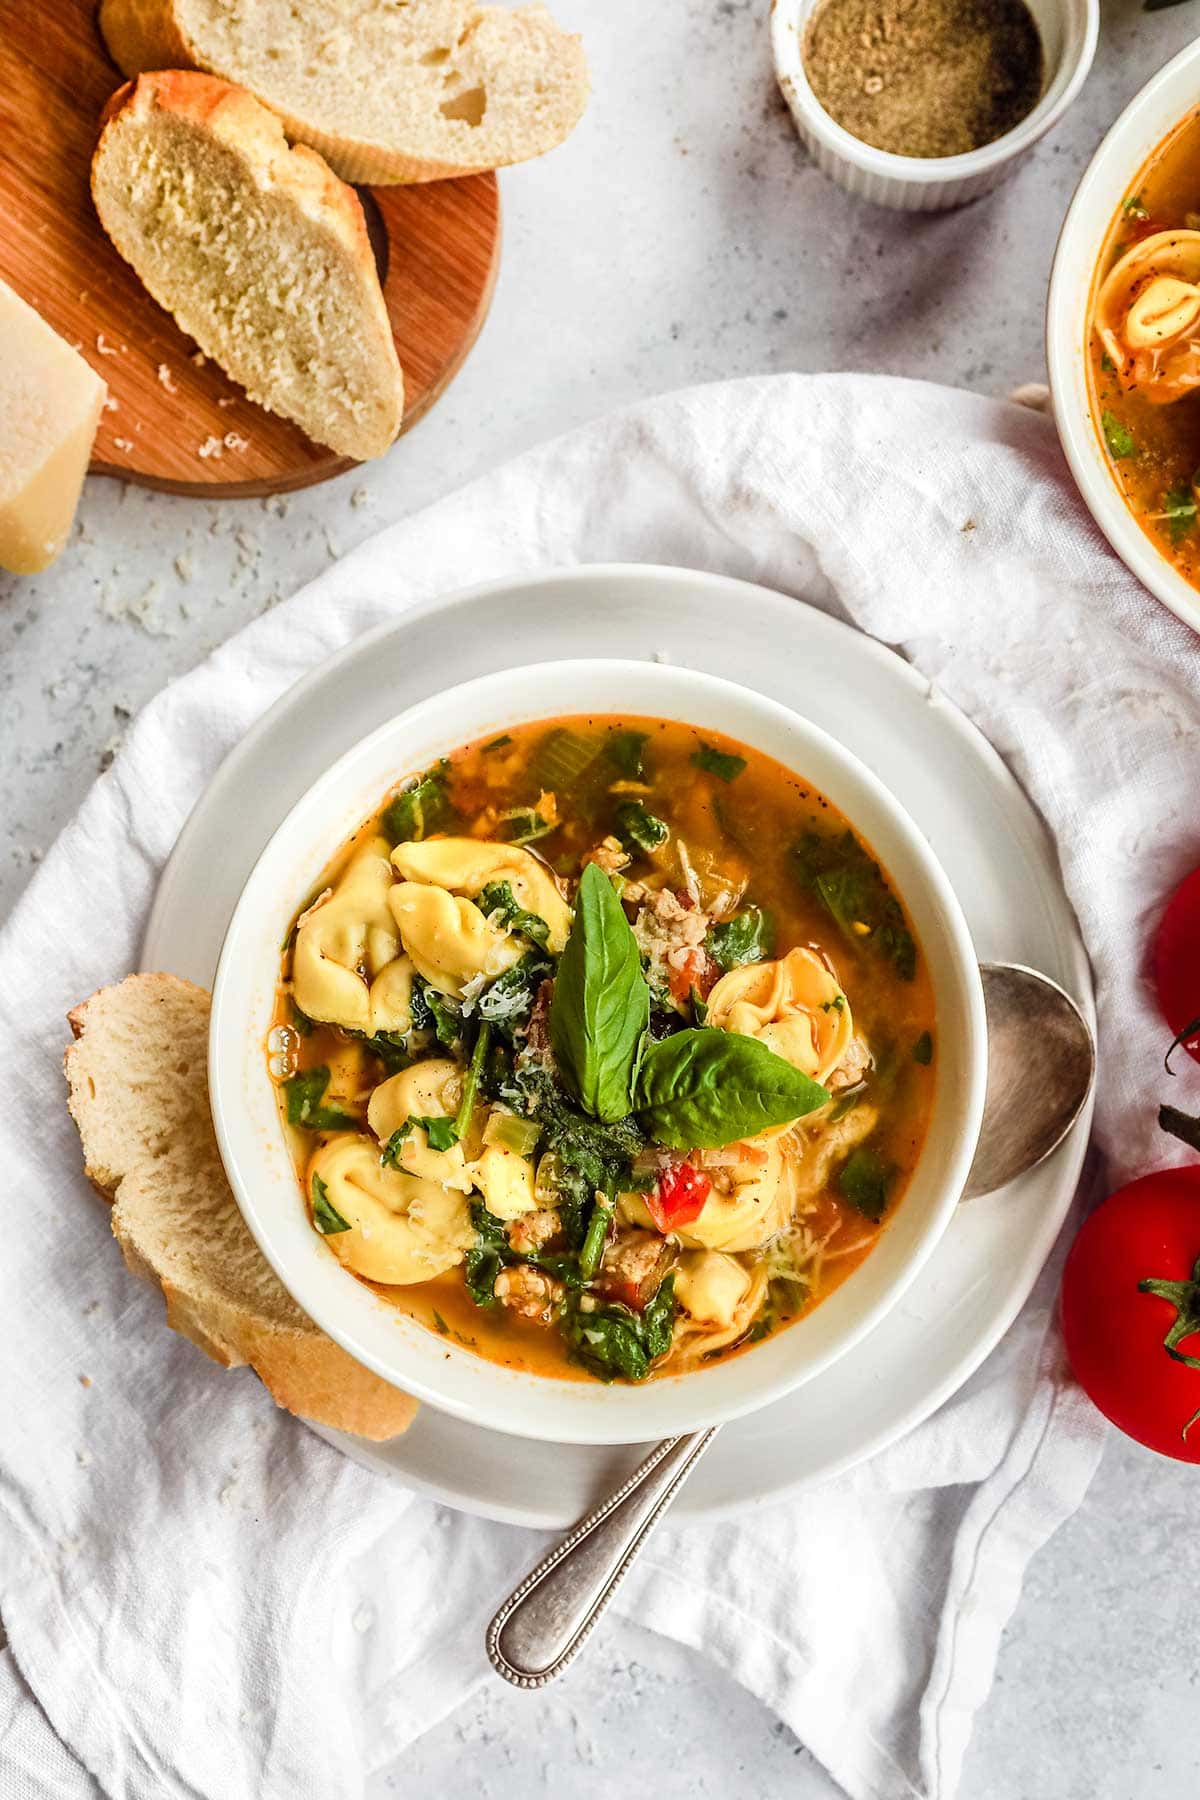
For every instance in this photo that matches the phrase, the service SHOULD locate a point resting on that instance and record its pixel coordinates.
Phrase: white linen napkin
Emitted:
(207, 1600)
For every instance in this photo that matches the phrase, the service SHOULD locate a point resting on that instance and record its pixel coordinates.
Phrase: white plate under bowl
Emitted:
(1151, 116)
(986, 835)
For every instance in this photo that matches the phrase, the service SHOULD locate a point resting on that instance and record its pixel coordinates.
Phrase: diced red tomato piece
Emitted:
(697, 970)
(679, 1197)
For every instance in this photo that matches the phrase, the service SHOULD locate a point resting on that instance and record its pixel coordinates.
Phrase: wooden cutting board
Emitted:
(178, 424)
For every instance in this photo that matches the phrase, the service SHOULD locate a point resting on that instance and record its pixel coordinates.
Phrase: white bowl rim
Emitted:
(787, 18)
(660, 1418)
(1088, 218)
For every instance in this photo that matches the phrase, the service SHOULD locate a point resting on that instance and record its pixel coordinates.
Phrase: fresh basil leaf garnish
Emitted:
(852, 888)
(745, 939)
(498, 897)
(639, 829)
(601, 1004)
(721, 763)
(304, 1093)
(703, 1088)
(326, 1217)
(421, 808)
(864, 1179)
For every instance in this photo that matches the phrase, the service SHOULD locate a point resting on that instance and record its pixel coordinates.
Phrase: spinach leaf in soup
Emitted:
(626, 749)
(864, 1180)
(746, 938)
(508, 1001)
(1117, 436)
(721, 763)
(639, 829)
(923, 1049)
(601, 1004)
(1179, 510)
(588, 1157)
(441, 1133)
(419, 809)
(851, 887)
(326, 1217)
(614, 1343)
(703, 1088)
(523, 825)
(497, 900)
(485, 1259)
(303, 1094)
(436, 1012)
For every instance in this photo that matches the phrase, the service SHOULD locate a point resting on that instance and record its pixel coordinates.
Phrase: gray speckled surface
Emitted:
(679, 237)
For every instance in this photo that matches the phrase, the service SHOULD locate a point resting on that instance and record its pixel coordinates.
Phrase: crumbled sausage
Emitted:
(634, 1265)
(852, 1067)
(533, 1231)
(610, 855)
(528, 1292)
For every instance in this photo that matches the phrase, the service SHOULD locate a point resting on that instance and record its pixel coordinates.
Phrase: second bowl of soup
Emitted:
(597, 1050)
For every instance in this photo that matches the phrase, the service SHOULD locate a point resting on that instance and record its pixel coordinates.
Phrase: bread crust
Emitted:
(146, 34)
(134, 1161)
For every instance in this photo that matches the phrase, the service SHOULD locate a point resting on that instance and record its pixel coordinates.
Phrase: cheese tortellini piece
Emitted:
(711, 1286)
(468, 865)
(403, 1229)
(346, 944)
(429, 1090)
(755, 1203)
(1147, 315)
(448, 939)
(505, 1180)
(794, 1006)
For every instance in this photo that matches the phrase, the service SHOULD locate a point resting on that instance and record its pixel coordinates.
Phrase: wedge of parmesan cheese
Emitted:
(50, 404)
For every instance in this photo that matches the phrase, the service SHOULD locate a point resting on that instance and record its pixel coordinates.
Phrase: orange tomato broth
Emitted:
(744, 829)
(1165, 438)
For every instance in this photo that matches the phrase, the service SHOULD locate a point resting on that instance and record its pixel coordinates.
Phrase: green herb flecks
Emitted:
(748, 938)
(497, 743)
(864, 1179)
(1118, 437)
(852, 888)
(497, 900)
(639, 829)
(721, 763)
(601, 1005)
(326, 1217)
(1132, 207)
(614, 1343)
(421, 808)
(304, 1093)
(703, 1088)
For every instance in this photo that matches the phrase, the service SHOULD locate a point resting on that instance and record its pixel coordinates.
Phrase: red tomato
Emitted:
(1176, 958)
(679, 1197)
(1130, 1305)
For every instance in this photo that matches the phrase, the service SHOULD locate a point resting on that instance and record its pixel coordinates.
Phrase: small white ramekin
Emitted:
(1151, 116)
(932, 183)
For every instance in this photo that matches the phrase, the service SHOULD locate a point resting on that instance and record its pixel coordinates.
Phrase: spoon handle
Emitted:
(545, 1621)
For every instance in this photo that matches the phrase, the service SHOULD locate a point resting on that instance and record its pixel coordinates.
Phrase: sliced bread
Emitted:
(259, 251)
(138, 1092)
(387, 90)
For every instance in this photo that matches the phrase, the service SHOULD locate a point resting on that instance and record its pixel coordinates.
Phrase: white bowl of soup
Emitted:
(598, 1050)
(1123, 335)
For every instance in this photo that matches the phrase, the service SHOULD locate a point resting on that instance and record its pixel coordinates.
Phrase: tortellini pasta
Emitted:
(448, 938)
(1148, 313)
(710, 1286)
(468, 865)
(429, 1090)
(506, 1182)
(794, 1006)
(403, 1229)
(756, 1202)
(346, 942)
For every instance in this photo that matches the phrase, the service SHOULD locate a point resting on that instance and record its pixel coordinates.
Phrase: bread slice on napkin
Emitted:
(138, 1091)
(386, 92)
(258, 250)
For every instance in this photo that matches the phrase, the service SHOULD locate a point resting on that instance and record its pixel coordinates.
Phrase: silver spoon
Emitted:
(1041, 1063)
